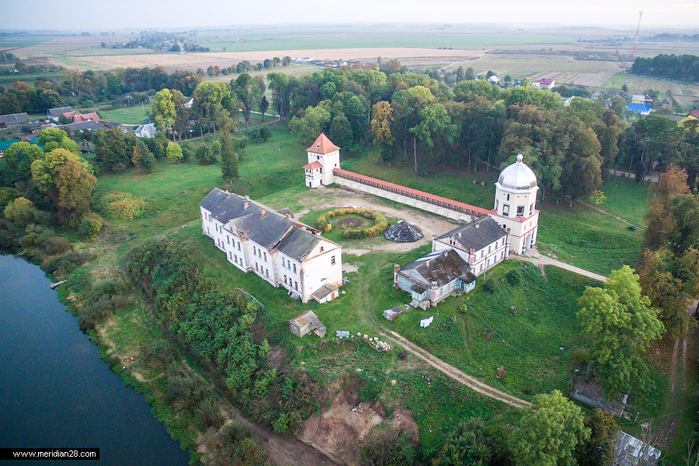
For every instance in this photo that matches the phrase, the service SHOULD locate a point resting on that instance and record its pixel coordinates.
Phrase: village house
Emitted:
(145, 131)
(54, 113)
(13, 120)
(283, 252)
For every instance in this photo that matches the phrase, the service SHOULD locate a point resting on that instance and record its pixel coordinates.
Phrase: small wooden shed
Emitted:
(306, 323)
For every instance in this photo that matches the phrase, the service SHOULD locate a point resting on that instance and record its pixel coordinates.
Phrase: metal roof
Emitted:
(440, 266)
(477, 234)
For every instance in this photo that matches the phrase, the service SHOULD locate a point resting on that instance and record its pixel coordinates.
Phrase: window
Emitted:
(508, 197)
(256, 266)
(520, 210)
(481, 254)
(332, 260)
(488, 249)
(238, 245)
(285, 279)
(267, 272)
(531, 209)
(496, 204)
(254, 250)
(296, 285)
(228, 238)
(505, 209)
(321, 249)
(265, 256)
(283, 262)
(294, 268)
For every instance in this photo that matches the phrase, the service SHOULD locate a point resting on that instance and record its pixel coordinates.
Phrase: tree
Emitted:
(249, 92)
(164, 111)
(665, 290)
(467, 445)
(548, 432)
(55, 138)
(211, 100)
(114, 149)
(174, 152)
(68, 183)
(660, 222)
(18, 160)
(230, 156)
(341, 131)
(143, 158)
(620, 325)
(314, 121)
(435, 127)
(599, 449)
(264, 105)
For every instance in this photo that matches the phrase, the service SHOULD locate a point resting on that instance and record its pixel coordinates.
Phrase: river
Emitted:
(55, 391)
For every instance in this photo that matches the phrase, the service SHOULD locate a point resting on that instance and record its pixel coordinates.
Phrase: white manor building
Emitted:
(269, 243)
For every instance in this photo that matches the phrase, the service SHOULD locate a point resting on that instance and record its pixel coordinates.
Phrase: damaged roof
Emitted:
(440, 266)
(477, 234)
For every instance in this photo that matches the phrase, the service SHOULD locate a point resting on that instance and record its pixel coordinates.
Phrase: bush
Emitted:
(260, 134)
(513, 277)
(158, 353)
(91, 225)
(123, 206)
(489, 285)
(208, 414)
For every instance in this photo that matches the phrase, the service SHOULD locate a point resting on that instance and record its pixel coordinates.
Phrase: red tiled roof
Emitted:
(695, 113)
(323, 145)
(86, 117)
(313, 165)
(441, 199)
(545, 81)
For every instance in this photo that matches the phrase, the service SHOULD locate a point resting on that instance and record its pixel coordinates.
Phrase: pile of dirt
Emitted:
(341, 428)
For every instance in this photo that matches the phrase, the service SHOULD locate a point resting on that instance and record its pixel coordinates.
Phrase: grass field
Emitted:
(134, 115)
(488, 334)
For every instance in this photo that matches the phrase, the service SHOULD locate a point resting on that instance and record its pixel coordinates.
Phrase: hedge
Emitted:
(380, 222)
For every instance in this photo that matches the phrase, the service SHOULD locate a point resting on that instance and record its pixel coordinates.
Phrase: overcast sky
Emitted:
(120, 14)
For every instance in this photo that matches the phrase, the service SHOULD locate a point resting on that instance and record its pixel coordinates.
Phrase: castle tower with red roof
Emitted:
(323, 157)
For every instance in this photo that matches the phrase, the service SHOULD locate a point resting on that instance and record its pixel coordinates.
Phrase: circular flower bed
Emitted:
(380, 222)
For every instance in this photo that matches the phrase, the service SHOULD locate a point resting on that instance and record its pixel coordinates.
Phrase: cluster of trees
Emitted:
(670, 262)
(552, 432)
(678, 67)
(30, 99)
(116, 151)
(223, 331)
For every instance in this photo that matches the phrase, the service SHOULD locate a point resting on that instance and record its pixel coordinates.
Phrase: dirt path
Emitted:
(535, 258)
(602, 211)
(430, 225)
(453, 372)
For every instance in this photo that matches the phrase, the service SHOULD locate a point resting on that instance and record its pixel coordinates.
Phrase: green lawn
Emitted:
(526, 342)
(135, 115)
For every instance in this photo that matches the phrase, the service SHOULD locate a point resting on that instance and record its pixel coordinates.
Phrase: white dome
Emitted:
(517, 176)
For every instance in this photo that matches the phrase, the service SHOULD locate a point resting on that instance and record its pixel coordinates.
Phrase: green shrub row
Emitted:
(380, 222)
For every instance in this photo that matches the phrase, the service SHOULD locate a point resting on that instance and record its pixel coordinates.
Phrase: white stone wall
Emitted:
(426, 206)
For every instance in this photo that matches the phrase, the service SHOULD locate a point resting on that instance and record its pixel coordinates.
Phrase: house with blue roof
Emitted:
(642, 109)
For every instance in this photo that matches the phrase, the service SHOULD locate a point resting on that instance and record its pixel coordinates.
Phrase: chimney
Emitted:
(263, 213)
(396, 269)
(246, 205)
(288, 216)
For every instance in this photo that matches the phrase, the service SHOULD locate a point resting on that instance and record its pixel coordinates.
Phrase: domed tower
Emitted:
(515, 202)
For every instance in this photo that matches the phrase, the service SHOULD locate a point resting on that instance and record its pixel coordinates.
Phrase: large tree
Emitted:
(68, 183)
(548, 432)
(164, 111)
(620, 324)
(18, 161)
(249, 92)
